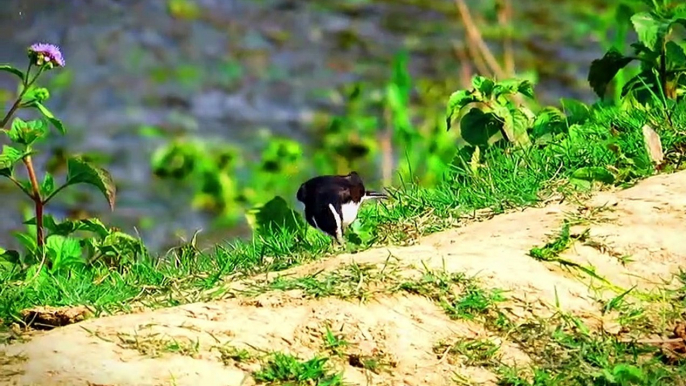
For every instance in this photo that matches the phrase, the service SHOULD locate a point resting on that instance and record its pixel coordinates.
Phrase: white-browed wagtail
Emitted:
(332, 202)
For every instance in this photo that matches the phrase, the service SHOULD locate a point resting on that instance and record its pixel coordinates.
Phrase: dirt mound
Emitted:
(402, 333)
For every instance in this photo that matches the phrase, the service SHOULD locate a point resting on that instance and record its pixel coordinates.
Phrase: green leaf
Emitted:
(26, 133)
(480, 129)
(8, 158)
(642, 84)
(48, 185)
(520, 126)
(575, 110)
(64, 252)
(648, 57)
(7, 68)
(10, 256)
(35, 95)
(96, 226)
(68, 227)
(80, 171)
(360, 234)
(266, 218)
(28, 241)
(458, 100)
(50, 117)
(120, 248)
(550, 120)
(593, 173)
(675, 54)
(514, 126)
(651, 29)
(526, 88)
(508, 85)
(603, 70)
(483, 85)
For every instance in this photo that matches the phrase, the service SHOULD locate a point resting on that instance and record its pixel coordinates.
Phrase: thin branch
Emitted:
(47, 199)
(19, 185)
(505, 18)
(465, 70)
(16, 104)
(475, 36)
(478, 60)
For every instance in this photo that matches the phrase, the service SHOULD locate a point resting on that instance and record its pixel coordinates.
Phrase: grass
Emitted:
(469, 351)
(155, 345)
(460, 296)
(286, 369)
(565, 352)
(509, 179)
(563, 349)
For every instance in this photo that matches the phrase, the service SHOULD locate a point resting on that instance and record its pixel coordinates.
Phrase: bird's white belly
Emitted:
(349, 212)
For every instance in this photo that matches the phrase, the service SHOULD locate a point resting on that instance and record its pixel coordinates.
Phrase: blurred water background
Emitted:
(228, 69)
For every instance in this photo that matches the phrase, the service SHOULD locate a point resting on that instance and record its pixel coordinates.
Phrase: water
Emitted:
(239, 67)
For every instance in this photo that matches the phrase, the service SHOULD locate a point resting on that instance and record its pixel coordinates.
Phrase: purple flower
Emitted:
(48, 54)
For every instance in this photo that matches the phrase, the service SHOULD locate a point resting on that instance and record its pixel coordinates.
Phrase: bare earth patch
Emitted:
(631, 238)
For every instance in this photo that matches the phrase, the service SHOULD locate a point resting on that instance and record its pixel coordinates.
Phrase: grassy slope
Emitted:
(508, 179)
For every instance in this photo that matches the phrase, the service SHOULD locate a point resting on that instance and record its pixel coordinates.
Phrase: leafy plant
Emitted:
(212, 169)
(496, 115)
(24, 135)
(662, 59)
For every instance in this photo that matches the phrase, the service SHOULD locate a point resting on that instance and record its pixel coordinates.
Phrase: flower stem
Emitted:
(13, 109)
(37, 200)
(17, 103)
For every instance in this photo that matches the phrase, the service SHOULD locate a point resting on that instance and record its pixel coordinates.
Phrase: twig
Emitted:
(445, 353)
(465, 70)
(504, 18)
(475, 36)
(477, 60)
(653, 341)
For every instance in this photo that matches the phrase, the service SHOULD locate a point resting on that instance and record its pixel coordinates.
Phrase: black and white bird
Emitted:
(332, 201)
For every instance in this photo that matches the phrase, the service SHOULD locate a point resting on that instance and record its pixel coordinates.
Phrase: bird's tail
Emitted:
(369, 194)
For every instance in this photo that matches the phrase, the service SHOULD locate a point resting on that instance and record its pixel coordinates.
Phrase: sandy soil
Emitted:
(646, 222)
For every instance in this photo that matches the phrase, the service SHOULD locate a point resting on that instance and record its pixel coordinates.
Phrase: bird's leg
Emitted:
(339, 236)
(338, 242)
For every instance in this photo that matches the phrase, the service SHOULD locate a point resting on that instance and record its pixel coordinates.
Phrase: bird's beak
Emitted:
(370, 194)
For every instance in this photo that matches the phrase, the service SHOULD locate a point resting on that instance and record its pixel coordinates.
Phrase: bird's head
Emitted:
(354, 178)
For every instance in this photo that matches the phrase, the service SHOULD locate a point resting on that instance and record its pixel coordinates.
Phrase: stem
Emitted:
(47, 199)
(20, 186)
(26, 76)
(663, 72)
(16, 104)
(38, 202)
(13, 109)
